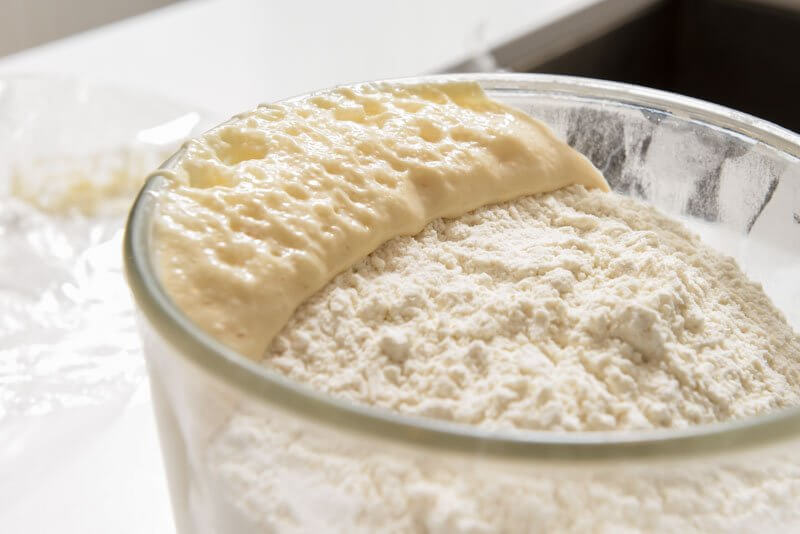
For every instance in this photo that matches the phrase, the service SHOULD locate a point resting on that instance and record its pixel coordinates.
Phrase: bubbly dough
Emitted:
(264, 210)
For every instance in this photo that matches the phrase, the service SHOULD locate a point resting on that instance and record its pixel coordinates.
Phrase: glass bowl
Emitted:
(247, 450)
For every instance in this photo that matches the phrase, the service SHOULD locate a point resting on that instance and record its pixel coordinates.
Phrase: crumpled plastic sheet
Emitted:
(78, 448)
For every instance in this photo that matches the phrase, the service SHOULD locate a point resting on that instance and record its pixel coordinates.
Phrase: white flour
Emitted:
(573, 310)
(285, 478)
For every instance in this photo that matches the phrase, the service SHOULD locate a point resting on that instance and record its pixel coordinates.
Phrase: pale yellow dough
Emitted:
(264, 210)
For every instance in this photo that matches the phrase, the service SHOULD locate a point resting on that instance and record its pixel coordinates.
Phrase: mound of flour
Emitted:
(574, 310)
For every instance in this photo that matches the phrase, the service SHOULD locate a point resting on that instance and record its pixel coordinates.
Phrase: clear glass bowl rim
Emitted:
(258, 382)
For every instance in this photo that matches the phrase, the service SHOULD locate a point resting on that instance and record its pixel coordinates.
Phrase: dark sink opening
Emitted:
(732, 52)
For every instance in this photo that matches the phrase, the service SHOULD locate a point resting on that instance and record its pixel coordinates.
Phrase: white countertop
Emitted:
(228, 55)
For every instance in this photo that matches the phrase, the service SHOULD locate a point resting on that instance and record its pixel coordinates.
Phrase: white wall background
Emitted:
(27, 23)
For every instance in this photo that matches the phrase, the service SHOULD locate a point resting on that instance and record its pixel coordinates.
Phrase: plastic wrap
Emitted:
(76, 431)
